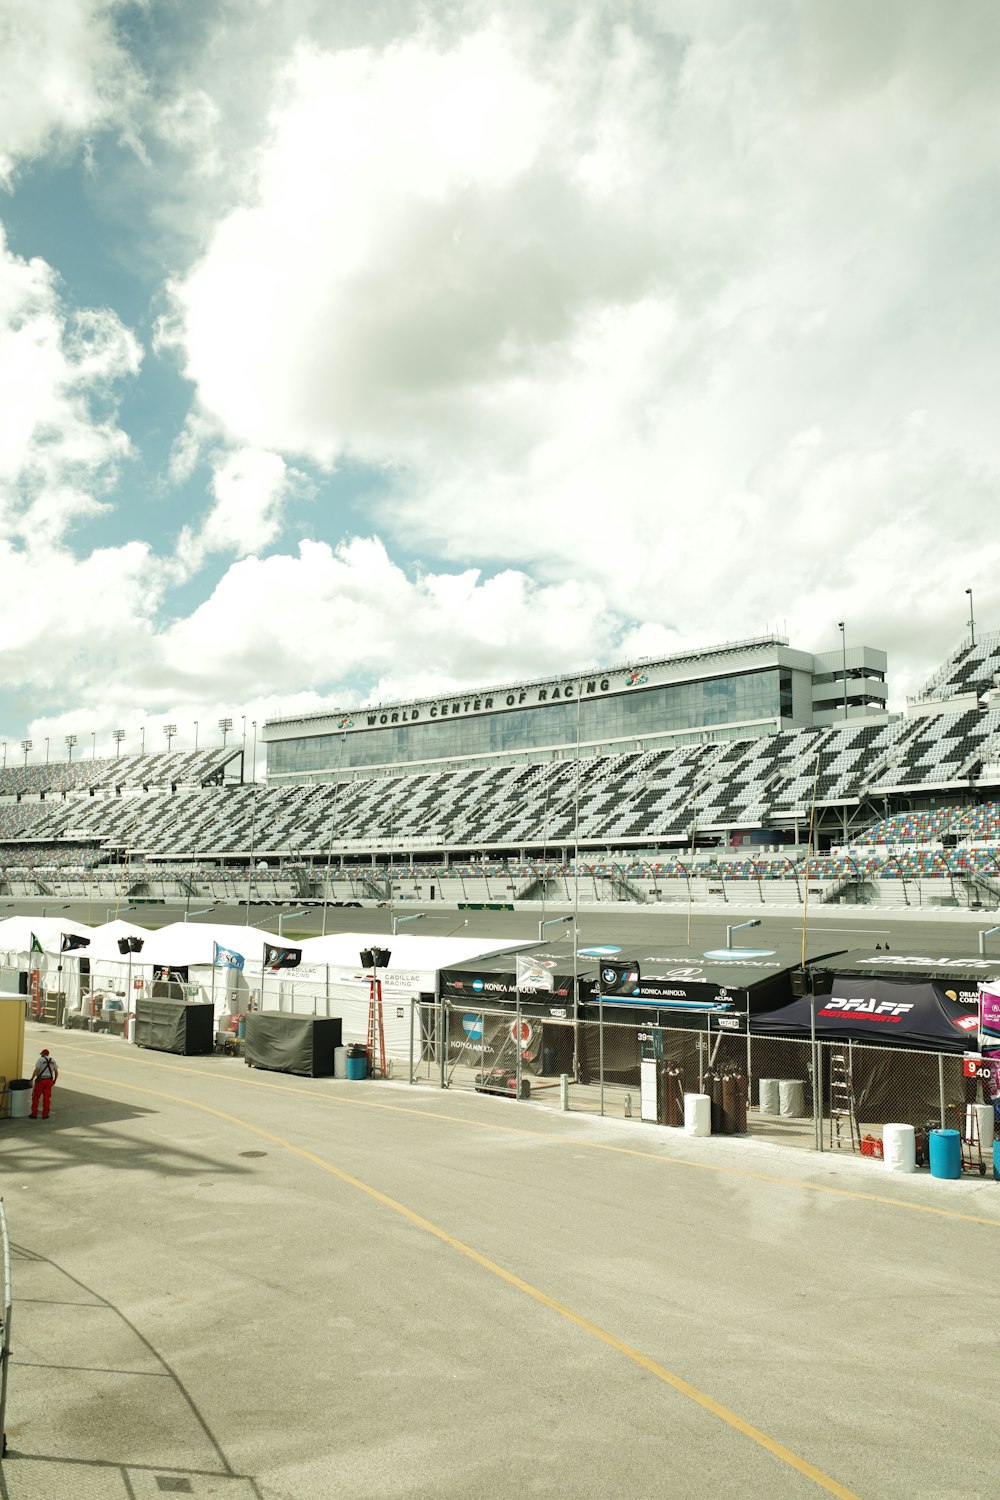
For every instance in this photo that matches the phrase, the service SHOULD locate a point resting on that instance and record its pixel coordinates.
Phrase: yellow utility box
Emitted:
(12, 1014)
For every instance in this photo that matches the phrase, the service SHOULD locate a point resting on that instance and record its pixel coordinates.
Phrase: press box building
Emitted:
(738, 690)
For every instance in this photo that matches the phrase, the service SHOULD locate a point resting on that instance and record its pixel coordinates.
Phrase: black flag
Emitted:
(281, 958)
(70, 941)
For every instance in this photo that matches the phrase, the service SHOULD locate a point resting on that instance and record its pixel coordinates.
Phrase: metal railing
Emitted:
(8, 1303)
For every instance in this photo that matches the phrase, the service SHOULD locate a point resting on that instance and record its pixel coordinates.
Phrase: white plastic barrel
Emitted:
(769, 1099)
(983, 1113)
(697, 1114)
(19, 1098)
(791, 1098)
(340, 1062)
(899, 1148)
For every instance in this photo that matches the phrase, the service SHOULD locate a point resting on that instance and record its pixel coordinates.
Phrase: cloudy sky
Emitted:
(355, 351)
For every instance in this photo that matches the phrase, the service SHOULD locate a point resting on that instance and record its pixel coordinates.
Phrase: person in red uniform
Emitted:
(43, 1078)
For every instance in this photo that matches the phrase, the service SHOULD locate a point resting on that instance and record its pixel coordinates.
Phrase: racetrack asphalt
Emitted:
(237, 1283)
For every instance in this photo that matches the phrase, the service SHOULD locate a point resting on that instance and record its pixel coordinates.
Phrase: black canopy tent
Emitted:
(888, 1008)
(679, 987)
(887, 999)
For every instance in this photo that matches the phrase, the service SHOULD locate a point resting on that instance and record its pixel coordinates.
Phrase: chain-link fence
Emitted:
(825, 1096)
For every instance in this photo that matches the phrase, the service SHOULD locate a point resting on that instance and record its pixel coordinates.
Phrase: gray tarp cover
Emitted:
(292, 1044)
(175, 1026)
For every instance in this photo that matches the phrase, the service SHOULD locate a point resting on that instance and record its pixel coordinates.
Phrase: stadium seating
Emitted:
(174, 816)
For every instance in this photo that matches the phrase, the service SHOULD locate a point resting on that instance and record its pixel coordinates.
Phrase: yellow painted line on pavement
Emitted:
(415, 1112)
(675, 1382)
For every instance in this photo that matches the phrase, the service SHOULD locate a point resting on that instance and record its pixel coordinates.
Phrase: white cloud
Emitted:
(339, 618)
(583, 290)
(656, 330)
(250, 489)
(64, 74)
(60, 445)
(67, 623)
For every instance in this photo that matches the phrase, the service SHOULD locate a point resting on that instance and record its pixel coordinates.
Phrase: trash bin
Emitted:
(945, 1153)
(20, 1098)
(340, 1062)
(357, 1061)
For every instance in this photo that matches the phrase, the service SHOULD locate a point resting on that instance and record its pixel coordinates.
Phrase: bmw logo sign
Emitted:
(609, 976)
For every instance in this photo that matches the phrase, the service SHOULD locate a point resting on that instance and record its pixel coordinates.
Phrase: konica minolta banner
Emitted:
(859, 1008)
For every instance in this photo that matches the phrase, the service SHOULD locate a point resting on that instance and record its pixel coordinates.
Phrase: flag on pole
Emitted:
(281, 958)
(36, 946)
(227, 958)
(532, 974)
(70, 941)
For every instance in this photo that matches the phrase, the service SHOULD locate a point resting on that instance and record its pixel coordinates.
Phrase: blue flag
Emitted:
(227, 958)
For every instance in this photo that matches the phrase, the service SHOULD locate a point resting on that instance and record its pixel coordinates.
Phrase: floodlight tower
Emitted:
(225, 725)
(26, 746)
(169, 730)
(70, 742)
(118, 735)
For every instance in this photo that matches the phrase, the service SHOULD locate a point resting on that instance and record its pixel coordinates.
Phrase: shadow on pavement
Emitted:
(82, 1130)
(108, 1415)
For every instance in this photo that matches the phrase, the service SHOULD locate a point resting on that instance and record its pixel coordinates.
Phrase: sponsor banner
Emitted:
(479, 1039)
(281, 958)
(497, 987)
(989, 1013)
(864, 1008)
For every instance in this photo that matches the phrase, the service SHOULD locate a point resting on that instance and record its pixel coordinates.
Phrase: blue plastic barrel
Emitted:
(357, 1065)
(945, 1153)
(996, 1161)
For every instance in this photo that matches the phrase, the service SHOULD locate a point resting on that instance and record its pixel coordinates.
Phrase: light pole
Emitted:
(46, 749)
(244, 742)
(93, 744)
(169, 730)
(225, 725)
(142, 740)
(843, 649)
(25, 746)
(5, 756)
(397, 922)
(118, 735)
(253, 772)
(972, 618)
(196, 734)
(70, 742)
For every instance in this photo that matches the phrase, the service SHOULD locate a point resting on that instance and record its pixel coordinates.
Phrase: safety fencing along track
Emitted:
(8, 1302)
(819, 1095)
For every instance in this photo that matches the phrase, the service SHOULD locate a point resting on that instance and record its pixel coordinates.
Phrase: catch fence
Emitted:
(821, 1095)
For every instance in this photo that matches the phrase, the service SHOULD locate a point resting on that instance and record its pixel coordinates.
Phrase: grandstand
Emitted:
(971, 672)
(894, 802)
(187, 768)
